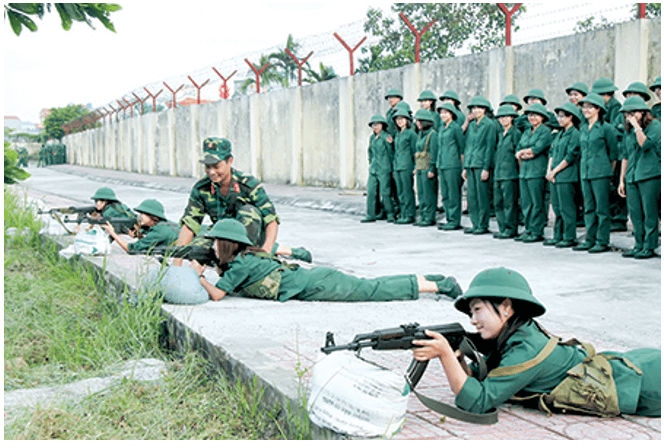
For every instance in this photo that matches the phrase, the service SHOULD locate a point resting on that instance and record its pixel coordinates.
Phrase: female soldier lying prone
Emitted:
(253, 273)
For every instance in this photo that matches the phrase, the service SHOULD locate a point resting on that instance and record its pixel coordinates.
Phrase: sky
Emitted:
(167, 40)
(154, 41)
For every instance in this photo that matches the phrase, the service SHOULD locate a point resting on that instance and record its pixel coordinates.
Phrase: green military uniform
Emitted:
(446, 160)
(389, 115)
(565, 147)
(643, 183)
(428, 95)
(162, 234)
(481, 141)
(532, 176)
(23, 157)
(404, 165)
(379, 183)
(426, 145)
(115, 209)
(452, 95)
(656, 109)
(246, 200)
(599, 148)
(42, 157)
(506, 178)
(637, 394)
(636, 374)
(319, 283)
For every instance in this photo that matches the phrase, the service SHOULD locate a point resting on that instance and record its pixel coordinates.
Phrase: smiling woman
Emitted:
(524, 360)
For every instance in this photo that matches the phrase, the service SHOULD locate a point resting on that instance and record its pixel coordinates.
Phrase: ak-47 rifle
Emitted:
(203, 254)
(121, 225)
(70, 210)
(401, 338)
(79, 211)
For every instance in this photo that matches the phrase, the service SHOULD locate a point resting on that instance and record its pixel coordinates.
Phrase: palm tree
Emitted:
(325, 74)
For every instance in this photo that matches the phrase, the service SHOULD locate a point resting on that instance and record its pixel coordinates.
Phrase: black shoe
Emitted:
(564, 244)
(645, 253)
(480, 231)
(521, 237)
(551, 242)
(533, 239)
(599, 248)
(631, 253)
(469, 230)
(584, 246)
(405, 221)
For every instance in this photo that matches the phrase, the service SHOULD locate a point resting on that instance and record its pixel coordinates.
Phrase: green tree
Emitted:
(325, 73)
(58, 117)
(20, 14)
(478, 25)
(652, 10)
(283, 63)
(13, 173)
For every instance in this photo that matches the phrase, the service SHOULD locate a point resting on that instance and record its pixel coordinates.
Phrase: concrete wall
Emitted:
(318, 134)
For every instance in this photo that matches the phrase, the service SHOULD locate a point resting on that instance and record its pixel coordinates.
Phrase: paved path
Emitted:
(612, 302)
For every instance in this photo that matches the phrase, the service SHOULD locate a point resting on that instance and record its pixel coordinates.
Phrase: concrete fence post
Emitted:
(255, 136)
(171, 142)
(631, 53)
(298, 137)
(346, 133)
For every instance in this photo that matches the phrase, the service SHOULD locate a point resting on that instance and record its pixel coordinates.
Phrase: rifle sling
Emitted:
(468, 349)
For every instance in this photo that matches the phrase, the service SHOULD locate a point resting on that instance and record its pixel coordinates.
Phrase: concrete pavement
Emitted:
(604, 299)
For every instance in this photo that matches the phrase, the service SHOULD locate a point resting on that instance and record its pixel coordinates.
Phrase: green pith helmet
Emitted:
(539, 110)
(402, 105)
(394, 92)
(450, 107)
(452, 95)
(402, 113)
(506, 111)
(424, 115)
(377, 119)
(579, 87)
(427, 95)
(603, 86)
(104, 194)
(481, 102)
(571, 109)
(512, 99)
(215, 149)
(639, 88)
(634, 103)
(535, 93)
(594, 99)
(657, 84)
(229, 229)
(151, 207)
(503, 283)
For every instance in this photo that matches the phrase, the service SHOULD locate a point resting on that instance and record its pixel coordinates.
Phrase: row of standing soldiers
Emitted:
(52, 155)
(593, 157)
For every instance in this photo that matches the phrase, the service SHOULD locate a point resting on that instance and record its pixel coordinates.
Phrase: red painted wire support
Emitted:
(224, 93)
(198, 89)
(154, 98)
(110, 114)
(130, 106)
(350, 51)
(508, 24)
(174, 92)
(642, 10)
(123, 107)
(139, 100)
(258, 74)
(299, 64)
(418, 34)
(102, 115)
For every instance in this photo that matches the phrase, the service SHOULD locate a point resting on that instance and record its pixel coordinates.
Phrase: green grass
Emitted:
(61, 326)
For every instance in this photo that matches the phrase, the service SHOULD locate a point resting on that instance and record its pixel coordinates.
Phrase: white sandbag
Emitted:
(351, 396)
(179, 285)
(92, 242)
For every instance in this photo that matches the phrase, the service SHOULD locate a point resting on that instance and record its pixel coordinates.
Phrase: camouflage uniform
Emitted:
(245, 201)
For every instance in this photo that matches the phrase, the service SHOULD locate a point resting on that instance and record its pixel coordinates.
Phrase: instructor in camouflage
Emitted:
(228, 193)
